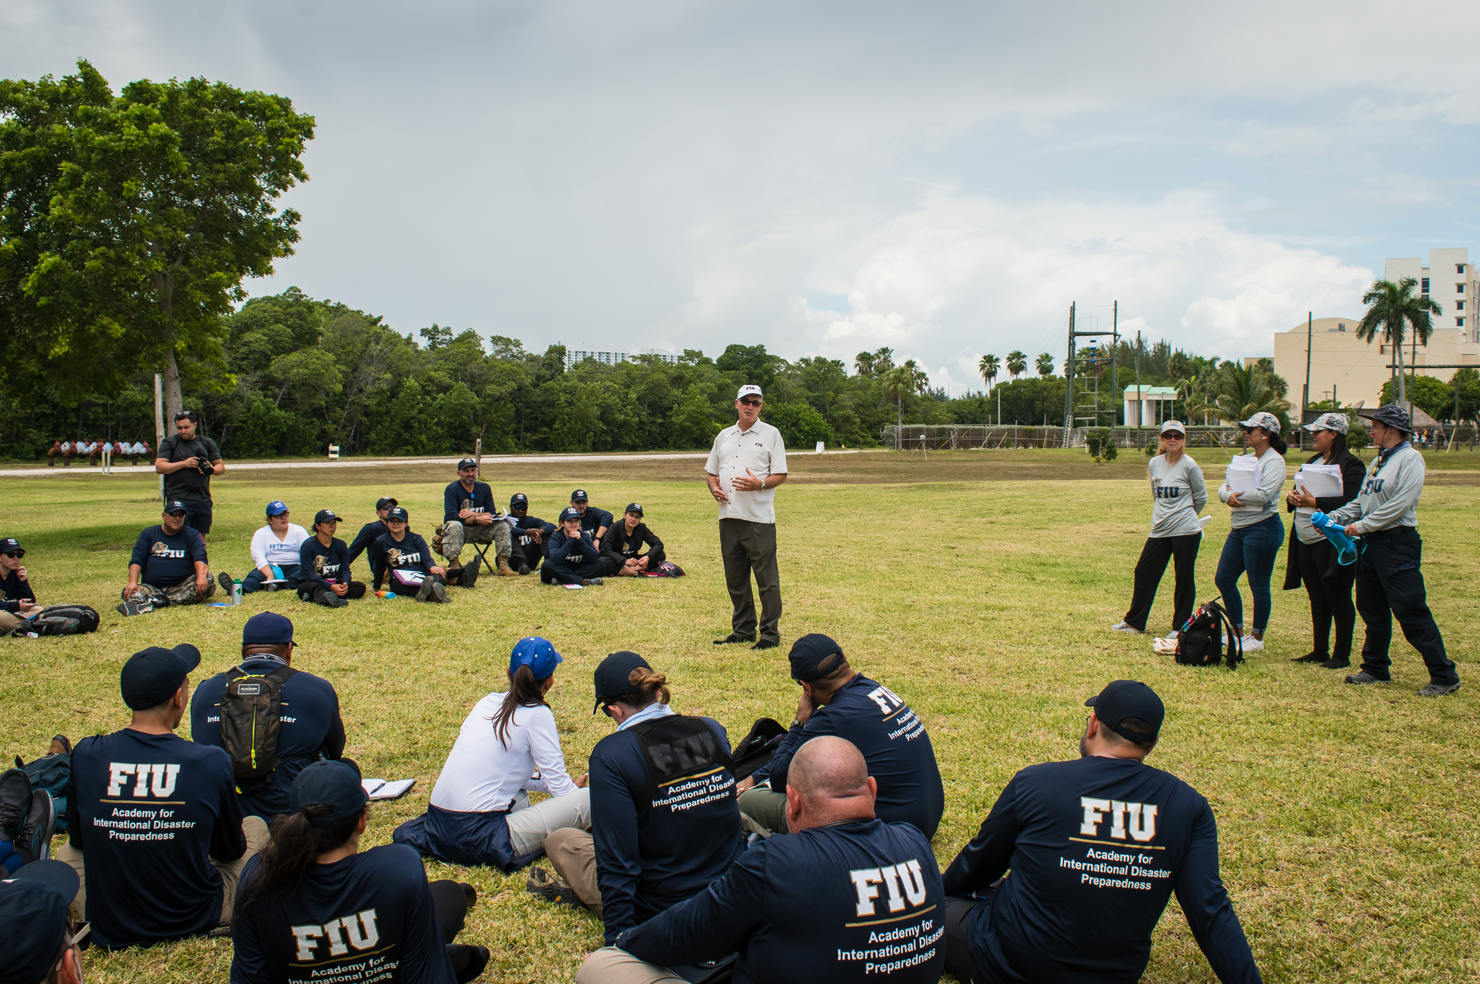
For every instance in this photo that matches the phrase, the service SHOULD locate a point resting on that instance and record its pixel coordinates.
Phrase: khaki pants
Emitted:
(255, 830)
(9, 623)
(183, 593)
(531, 826)
(748, 548)
(766, 807)
(612, 966)
(573, 853)
(455, 534)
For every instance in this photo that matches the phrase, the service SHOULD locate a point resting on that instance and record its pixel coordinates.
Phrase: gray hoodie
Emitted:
(1389, 496)
(1263, 501)
(1177, 496)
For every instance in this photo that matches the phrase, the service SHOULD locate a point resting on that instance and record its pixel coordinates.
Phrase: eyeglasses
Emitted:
(187, 415)
(15, 554)
(751, 403)
(1173, 436)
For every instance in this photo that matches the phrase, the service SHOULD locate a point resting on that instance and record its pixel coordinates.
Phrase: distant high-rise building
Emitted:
(1449, 279)
(576, 356)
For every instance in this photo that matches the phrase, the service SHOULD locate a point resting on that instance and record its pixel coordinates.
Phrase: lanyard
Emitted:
(1384, 455)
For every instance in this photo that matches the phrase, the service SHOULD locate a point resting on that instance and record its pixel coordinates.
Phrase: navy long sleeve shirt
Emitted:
(1096, 847)
(12, 590)
(455, 499)
(320, 566)
(575, 550)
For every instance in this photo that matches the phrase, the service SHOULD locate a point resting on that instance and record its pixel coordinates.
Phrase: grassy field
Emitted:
(977, 585)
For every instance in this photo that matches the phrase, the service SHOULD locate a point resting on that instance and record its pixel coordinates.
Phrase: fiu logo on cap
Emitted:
(904, 883)
(1136, 819)
(156, 780)
(357, 930)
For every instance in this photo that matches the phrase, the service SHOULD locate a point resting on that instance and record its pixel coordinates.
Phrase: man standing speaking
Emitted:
(745, 465)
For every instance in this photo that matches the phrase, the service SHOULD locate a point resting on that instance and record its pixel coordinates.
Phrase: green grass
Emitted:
(1346, 815)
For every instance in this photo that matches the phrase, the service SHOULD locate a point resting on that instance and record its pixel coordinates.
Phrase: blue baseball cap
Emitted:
(175, 506)
(267, 629)
(329, 783)
(579, 495)
(151, 676)
(518, 499)
(536, 653)
(1129, 698)
(276, 507)
(569, 512)
(33, 910)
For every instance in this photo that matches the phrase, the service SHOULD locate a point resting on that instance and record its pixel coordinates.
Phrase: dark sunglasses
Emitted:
(187, 415)
(751, 403)
(1173, 436)
(15, 554)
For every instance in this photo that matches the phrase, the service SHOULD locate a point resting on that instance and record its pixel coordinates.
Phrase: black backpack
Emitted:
(755, 750)
(60, 620)
(51, 773)
(1200, 643)
(251, 718)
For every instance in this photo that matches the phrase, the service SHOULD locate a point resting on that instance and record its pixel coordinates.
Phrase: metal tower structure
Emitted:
(1072, 364)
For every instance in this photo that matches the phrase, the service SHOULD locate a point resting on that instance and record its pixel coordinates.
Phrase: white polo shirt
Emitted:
(759, 449)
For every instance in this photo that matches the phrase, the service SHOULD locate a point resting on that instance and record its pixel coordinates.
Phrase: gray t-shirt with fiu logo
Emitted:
(1177, 496)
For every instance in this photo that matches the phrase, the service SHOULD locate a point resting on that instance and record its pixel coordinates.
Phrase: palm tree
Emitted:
(863, 362)
(988, 367)
(899, 382)
(1044, 363)
(883, 359)
(1393, 307)
(1017, 363)
(1237, 393)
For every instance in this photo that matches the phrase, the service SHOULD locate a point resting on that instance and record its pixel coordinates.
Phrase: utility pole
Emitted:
(1069, 380)
(159, 425)
(1305, 395)
(1140, 396)
(1114, 359)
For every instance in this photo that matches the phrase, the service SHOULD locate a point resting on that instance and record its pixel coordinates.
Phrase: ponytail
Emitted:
(295, 846)
(1279, 444)
(647, 685)
(524, 691)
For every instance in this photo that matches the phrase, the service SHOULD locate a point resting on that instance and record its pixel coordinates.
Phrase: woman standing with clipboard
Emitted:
(1254, 541)
(1312, 558)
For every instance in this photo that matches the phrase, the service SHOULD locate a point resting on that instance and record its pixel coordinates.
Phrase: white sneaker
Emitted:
(1129, 629)
(1252, 645)
(1171, 636)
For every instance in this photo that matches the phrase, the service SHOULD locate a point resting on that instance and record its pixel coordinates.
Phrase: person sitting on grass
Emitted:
(314, 906)
(408, 560)
(276, 552)
(531, 535)
(479, 812)
(309, 728)
(168, 566)
(17, 598)
(807, 907)
(1096, 847)
(838, 700)
(323, 564)
(573, 557)
(621, 547)
(157, 835)
(594, 520)
(664, 823)
(365, 540)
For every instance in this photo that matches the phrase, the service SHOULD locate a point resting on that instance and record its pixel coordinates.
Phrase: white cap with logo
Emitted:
(748, 390)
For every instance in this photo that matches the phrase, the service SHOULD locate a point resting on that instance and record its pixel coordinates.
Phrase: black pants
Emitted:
(1390, 584)
(959, 915)
(450, 900)
(1182, 550)
(748, 548)
(556, 570)
(526, 554)
(197, 515)
(1329, 586)
(321, 594)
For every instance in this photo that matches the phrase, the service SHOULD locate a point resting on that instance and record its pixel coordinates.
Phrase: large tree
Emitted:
(1017, 363)
(989, 367)
(128, 222)
(1044, 364)
(1394, 308)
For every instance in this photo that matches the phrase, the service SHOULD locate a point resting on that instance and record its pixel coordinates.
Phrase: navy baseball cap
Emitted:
(175, 506)
(325, 516)
(518, 499)
(276, 507)
(151, 676)
(569, 512)
(634, 507)
(397, 513)
(33, 910)
(579, 495)
(811, 657)
(11, 545)
(384, 501)
(1123, 699)
(612, 676)
(267, 629)
(466, 463)
(536, 653)
(328, 783)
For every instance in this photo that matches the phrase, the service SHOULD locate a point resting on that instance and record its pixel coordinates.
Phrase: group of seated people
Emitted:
(818, 867)
(169, 565)
(67, 450)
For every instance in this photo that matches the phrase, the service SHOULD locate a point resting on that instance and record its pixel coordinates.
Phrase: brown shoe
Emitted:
(504, 570)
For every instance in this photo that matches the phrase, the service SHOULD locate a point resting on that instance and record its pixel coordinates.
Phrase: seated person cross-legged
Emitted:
(156, 832)
(531, 535)
(1095, 846)
(168, 566)
(323, 565)
(574, 557)
(17, 597)
(309, 725)
(276, 553)
(838, 700)
(807, 907)
(508, 745)
(315, 907)
(664, 823)
(408, 560)
(621, 547)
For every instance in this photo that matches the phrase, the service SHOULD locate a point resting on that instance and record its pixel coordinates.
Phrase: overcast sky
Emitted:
(826, 177)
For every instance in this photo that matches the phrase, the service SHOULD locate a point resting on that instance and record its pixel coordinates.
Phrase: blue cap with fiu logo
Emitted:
(276, 507)
(569, 512)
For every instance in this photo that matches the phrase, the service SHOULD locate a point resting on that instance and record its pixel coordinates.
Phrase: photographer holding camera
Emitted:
(187, 463)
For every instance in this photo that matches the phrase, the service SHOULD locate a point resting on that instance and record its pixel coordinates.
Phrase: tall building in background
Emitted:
(575, 356)
(1449, 279)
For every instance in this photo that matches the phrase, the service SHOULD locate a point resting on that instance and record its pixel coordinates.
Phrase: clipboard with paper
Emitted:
(1243, 474)
(1320, 481)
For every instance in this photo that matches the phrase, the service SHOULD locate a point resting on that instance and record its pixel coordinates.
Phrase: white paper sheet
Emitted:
(1243, 473)
(1318, 480)
(380, 789)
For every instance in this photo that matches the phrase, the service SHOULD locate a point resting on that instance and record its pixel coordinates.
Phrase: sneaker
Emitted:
(468, 961)
(60, 744)
(439, 591)
(34, 843)
(734, 637)
(224, 579)
(546, 886)
(1364, 677)
(523, 570)
(15, 801)
(1311, 658)
(1128, 629)
(765, 644)
(136, 606)
(1252, 645)
(1439, 689)
(470, 573)
(425, 591)
(591, 581)
(1172, 636)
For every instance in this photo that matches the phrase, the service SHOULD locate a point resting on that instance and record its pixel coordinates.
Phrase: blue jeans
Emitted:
(1253, 549)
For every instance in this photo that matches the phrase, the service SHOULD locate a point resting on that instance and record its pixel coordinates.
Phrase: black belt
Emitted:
(1391, 531)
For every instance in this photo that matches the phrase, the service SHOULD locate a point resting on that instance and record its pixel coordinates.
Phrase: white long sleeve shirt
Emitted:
(267, 549)
(482, 775)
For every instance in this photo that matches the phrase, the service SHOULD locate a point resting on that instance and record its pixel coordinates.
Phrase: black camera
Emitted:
(204, 466)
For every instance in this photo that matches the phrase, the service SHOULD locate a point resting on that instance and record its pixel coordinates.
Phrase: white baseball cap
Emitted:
(1173, 425)
(748, 390)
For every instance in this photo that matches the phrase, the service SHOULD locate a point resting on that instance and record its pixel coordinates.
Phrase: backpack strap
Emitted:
(1235, 641)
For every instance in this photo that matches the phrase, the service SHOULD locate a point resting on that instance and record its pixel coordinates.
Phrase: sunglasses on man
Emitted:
(751, 403)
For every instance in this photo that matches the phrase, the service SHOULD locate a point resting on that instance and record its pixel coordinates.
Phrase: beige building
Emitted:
(1354, 370)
